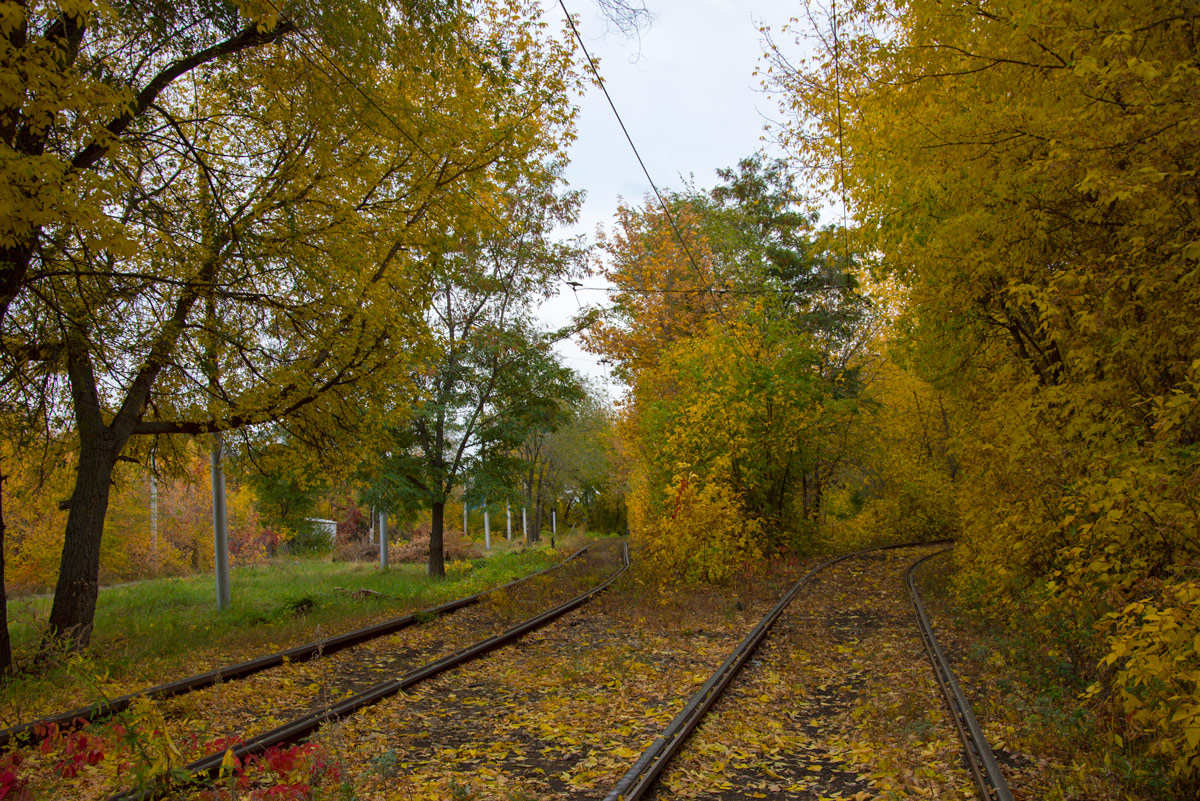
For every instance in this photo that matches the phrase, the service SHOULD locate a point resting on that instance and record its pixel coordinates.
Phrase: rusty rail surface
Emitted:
(989, 779)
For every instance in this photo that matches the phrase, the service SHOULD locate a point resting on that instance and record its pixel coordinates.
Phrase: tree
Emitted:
(248, 244)
(1027, 170)
(740, 345)
(492, 377)
(566, 458)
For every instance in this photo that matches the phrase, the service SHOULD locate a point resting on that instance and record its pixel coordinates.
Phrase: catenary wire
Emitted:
(666, 209)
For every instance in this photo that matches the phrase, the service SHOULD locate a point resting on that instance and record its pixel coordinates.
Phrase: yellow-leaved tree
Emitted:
(1028, 169)
(740, 345)
(218, 212)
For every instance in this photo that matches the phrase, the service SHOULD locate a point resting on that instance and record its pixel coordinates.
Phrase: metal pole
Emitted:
(508, 526)
(153, 509)
(383, 541)
(220, 525)
(487, 529)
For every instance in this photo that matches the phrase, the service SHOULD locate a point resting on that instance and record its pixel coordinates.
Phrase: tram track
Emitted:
(297, 729)
(989, 779)
(807, 757)
(324, 647)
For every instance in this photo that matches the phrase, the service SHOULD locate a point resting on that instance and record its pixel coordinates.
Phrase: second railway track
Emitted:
(836, 700)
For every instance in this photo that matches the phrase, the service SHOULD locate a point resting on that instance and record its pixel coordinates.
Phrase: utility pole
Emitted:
(220, 524)
(383, 541)
(153, 509)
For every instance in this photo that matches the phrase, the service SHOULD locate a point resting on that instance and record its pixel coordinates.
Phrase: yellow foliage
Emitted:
(1029, 168)
(905, 478)
(458, 566)
(1154, 646)
(701, 534)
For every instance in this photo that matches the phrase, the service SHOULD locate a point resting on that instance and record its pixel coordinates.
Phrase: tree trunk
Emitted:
(437, 562)
(79, 571)
(5, 643)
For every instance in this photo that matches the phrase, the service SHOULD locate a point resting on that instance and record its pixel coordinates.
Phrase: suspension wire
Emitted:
(720, 291)
(628, 138)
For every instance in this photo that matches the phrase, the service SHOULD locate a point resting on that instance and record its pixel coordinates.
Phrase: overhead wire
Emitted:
(577, 287)
(628, 138)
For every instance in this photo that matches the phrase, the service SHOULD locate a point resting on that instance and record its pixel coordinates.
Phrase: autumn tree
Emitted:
(567, 459)
(227, 234)
(1028, 170)
(739, 344)
(491, 376)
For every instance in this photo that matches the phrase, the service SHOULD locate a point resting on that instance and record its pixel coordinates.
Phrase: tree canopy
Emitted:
(227, 211)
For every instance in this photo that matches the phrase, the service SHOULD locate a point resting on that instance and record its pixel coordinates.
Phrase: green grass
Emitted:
(160, 629)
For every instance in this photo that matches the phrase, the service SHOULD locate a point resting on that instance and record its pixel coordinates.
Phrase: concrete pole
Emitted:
(487, 529)
(508, 527)
(220, 524)
(153, 509)
(383, 541)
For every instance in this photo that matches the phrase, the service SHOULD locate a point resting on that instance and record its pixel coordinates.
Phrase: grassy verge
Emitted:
(160, 629)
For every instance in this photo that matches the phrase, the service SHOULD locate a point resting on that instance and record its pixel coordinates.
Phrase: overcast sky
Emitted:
(689, 97)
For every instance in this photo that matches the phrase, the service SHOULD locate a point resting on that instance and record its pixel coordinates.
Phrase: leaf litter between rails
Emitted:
(560, 715)
(838, 703)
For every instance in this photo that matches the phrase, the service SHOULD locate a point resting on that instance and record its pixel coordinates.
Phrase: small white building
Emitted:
(327, 526)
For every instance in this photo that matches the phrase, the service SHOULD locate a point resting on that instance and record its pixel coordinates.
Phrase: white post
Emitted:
(371, 530)
(553, 522)
(524, 525)
(487, 529)
(464, 517)
(153, 509)
(220, 524)
(508, 526)
(383, 541)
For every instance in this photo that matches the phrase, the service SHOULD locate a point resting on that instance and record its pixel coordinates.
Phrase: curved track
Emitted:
(645, 772)
(209, 766)
(77, 718)
(989, 780)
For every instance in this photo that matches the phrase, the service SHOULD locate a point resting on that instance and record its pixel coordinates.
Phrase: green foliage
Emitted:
(742, 361)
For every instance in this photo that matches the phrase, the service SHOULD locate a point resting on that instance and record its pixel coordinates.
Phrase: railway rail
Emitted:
(101, 710)
(647, 769)
(294, 731)
(989, 780)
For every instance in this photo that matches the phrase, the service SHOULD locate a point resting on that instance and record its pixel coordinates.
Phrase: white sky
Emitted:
(689, 97)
